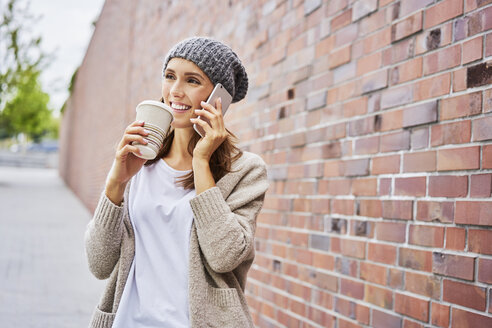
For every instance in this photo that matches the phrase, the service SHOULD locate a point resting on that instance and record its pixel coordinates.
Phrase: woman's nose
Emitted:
(176, 89)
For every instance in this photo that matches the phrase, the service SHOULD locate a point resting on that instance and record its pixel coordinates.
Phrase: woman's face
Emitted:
(183, 88)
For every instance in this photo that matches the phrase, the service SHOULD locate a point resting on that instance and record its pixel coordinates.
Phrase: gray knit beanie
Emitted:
(215, 59)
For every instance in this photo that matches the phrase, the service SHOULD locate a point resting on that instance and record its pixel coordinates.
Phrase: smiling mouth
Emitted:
(179, 108)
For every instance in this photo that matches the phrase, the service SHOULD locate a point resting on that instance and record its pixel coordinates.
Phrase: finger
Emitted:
(209, 107)
(218, 105)
(129, 138)
(208, 129)
(126, 150)
(136, 130)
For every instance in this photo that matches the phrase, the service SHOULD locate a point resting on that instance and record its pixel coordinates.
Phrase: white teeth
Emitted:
(180, 107)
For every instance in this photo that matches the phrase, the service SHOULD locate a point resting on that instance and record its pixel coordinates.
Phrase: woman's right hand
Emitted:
(125, 164)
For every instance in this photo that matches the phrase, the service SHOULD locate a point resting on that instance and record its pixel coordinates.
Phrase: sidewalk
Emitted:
(44, 278)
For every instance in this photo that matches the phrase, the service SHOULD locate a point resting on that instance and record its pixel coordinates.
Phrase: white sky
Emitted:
(66, 29)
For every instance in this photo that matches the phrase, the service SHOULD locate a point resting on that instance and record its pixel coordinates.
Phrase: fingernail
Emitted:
(219, 100)
(146, 131)
(202, 102)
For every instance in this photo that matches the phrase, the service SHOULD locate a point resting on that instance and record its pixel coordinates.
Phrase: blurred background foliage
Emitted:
(24, 106)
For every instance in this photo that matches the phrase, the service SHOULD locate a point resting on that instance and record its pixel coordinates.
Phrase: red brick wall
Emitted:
(375, 120)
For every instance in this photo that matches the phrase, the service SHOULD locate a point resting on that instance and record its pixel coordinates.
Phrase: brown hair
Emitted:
(220, 162)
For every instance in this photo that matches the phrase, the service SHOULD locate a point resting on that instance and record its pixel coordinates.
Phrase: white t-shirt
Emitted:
(156, 292)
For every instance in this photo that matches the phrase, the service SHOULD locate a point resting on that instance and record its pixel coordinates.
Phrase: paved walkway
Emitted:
(44, 278)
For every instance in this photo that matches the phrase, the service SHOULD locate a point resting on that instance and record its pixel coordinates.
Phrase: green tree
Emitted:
(23, 104)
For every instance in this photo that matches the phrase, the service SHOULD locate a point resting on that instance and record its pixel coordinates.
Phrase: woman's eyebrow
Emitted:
(169, 70)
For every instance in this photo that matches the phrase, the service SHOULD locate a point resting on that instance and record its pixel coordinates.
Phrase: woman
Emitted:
(175, 237)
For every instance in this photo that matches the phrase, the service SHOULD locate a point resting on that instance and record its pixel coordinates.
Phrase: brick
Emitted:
(455, 238)
(400, 51)
(481, 185)
(319, 242)
(352, 288)
(408, 7)
(488, 45)
(406, 27)
(435, 211)
(365, 187)
(340, 56)
(396, 96)
(315, 101)
(343, 206)
(362, 313)
(420, 114)
(378, 296)
(384, 186)
(424, 235)
(324, 47)
(432, 87)
(388, 121)
(395, 278)
(481, 128)
(479, 241)
(383, 319)
(464, 319)
(395, 141)
(443, 59)
(419, 162)
(398, 209)
(357, 167)
(362, 228)
(345, 307)
(485, 270)
(461, 106)
(385, 164)
(423, 284)
(410, 186)
(363, 8)
(467, 158)
(373, 273)
(474, 4)
(419, 138)
(464, 294)
(346, 35)
(369, 63)
(460, 29)
(443, 11)
(343, 73)
(479, 75)
(459, 80)
(487, 157)
(487, 101)
(375, 81)
(408, 71)
(335, 187)
(377, 40)
(448, 186)
(477, 213)
(457, 266)
(391, 231)
(472, 50)
(412, 306)
(347, 266)
(440, 314)
(355, 107)
(364, 146)
(433, 39)
(353, 248)
(381, 253)
(415, 259)
(451, 133)
(323, 261)
(341, 20)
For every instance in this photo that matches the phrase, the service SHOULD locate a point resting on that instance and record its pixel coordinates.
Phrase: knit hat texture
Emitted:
(215, 59)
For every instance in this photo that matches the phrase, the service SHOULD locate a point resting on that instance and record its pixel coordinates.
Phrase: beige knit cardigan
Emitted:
(221, 248)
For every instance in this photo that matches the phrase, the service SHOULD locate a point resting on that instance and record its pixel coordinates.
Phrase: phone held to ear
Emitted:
(218, 92)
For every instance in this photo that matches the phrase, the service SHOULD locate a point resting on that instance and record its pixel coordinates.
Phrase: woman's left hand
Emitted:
(215, 134)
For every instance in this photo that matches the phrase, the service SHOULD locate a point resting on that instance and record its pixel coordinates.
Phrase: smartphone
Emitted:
(226, 98)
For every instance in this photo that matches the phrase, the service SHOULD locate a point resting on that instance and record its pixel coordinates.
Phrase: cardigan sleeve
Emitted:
(226, 236)
(103, 237)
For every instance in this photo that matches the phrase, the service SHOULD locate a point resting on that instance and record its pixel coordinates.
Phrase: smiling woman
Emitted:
(176, 235)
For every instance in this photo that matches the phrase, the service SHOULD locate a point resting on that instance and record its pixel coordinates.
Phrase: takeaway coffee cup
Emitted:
(157, 118)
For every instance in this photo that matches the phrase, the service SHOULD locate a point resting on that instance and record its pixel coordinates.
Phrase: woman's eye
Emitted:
(169, 76)
(194, 81)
